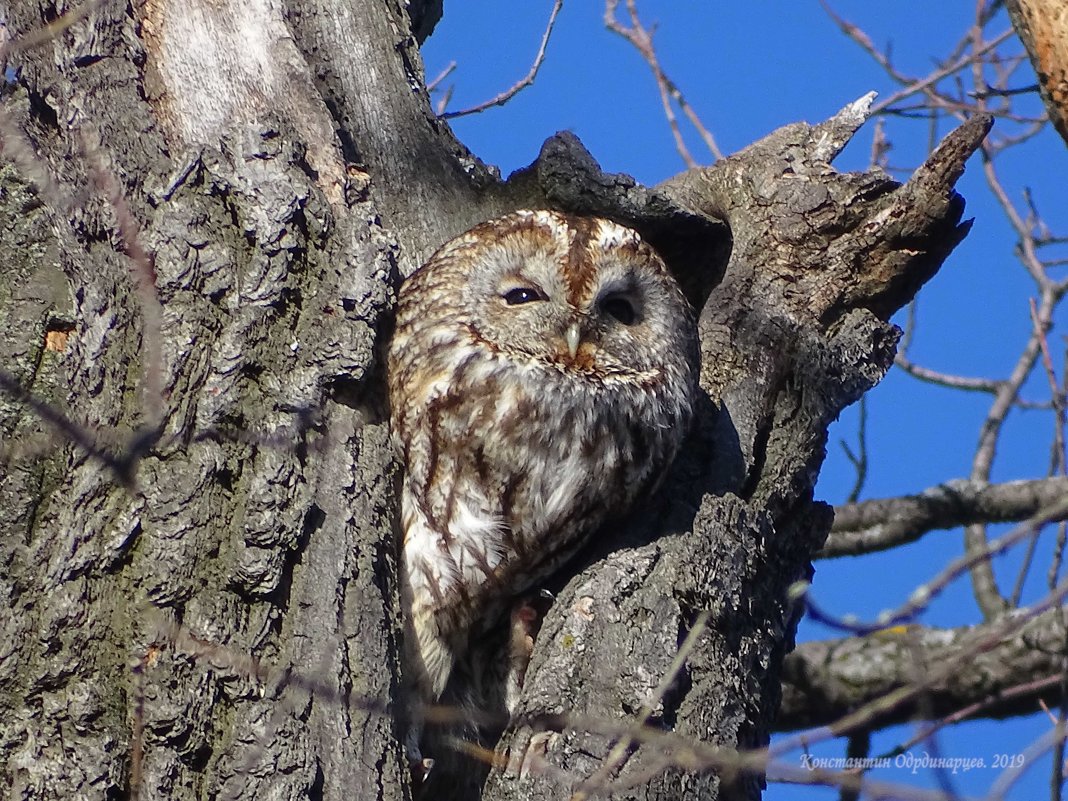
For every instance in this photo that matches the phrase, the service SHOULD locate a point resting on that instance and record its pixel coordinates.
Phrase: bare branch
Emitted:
(922, 84)
(922, 596)
(523, 82)
(1046, 742)
(1059, 460)
(859, 460)
(143, 275)
(985, 707)
(967, 383)
(824, 680)
(121, 466)
(433, 85)
(642, 40)
(49, 31)
(891, 702)
(878, 525)
(676, 750)
(983, 583)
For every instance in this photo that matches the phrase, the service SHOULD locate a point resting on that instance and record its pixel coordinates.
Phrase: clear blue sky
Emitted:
(748, 68)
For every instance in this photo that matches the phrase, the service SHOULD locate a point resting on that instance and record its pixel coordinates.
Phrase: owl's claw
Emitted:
(526, 619)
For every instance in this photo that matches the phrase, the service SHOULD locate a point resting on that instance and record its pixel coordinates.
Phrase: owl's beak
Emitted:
(571, 336)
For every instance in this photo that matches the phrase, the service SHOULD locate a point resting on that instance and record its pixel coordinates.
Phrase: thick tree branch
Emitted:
(878, 525)
(369, 73)
(828, 679)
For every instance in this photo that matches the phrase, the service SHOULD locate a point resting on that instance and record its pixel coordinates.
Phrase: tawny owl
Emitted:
(541, 377)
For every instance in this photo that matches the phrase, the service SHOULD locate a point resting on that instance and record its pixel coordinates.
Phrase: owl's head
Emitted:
(583, 296)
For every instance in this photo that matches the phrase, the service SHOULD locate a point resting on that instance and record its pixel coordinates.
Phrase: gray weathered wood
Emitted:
(224, 573)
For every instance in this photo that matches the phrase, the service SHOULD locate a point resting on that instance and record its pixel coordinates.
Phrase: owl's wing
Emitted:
(446, 572)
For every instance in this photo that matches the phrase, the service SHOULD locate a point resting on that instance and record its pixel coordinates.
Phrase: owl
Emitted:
(542, 375)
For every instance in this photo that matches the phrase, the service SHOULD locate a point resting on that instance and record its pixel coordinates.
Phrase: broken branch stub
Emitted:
(816, 243)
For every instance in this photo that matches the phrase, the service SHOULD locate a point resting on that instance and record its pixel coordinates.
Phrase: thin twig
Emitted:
(523, 82)
(1025, 568)
(1046, 742)
(1026, 240)
(80, 436)
(984, 585)
(443, 103)
(642, 39)
(967, 383)
(1020, 90)
(923, 595)
(618, 754)
(860, 459)
(433, 85)
(1059, 458)
(921, 84)
(1024, 690)
(143, 274)
(46, 33)
(866, 715)
(678, 751)
(983, 582)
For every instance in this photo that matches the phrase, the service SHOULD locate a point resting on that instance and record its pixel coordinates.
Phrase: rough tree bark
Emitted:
(214, 560)
(1042, 26)
(960, 671)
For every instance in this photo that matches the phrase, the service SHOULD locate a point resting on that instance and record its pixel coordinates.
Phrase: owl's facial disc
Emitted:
(594, 320)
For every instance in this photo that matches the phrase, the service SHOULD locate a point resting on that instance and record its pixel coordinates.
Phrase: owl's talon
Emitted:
(420, 771)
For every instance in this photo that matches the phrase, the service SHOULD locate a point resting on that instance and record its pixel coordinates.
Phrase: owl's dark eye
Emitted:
(522, 294)
(621, 308)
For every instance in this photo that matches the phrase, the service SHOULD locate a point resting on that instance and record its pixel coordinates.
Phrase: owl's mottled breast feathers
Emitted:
(541, 376)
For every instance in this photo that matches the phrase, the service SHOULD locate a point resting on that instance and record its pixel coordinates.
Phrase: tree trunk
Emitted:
(198, 485)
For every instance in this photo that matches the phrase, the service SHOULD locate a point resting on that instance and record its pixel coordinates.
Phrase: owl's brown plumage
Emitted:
(541, 376)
